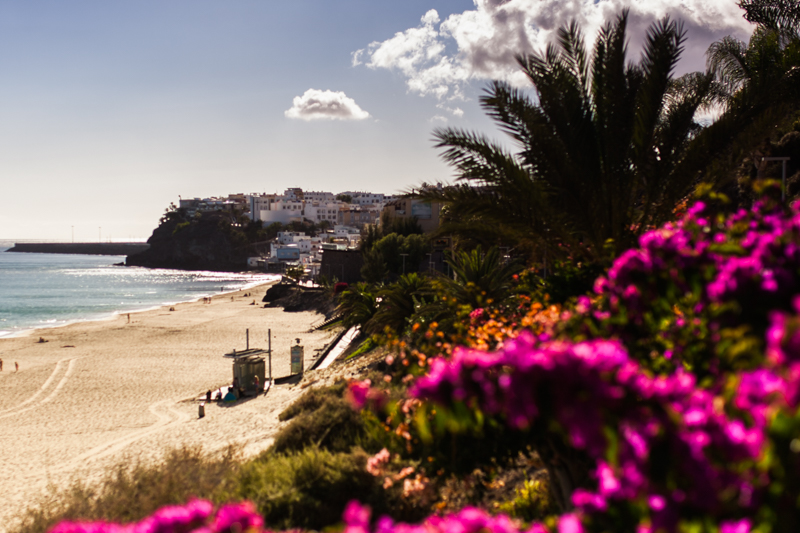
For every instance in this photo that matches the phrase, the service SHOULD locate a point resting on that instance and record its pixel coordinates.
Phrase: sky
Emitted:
(109, 111)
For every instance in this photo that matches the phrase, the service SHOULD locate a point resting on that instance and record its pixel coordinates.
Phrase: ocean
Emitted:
(50, 290)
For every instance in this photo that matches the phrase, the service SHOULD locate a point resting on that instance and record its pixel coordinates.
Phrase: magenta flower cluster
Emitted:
(472, 520)
(689, 280)
(694, 348)
(361, 394)
(468, 520)
(593, 390)
(753, 253)
(197, 516)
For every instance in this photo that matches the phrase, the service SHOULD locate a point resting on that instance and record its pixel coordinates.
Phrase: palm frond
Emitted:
(778, 15)
(726, 58)
(662, 49)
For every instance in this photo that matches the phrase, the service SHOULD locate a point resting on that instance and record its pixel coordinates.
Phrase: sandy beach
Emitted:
(97, 393)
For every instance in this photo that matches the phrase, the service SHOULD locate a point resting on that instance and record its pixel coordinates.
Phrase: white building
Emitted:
(213, 203)
(315, 206)
(289, 237)
(260, 202)
(349, 234)
(293, 193)
(317, 212)
(282, 216)
(319, 196)
(364, 198)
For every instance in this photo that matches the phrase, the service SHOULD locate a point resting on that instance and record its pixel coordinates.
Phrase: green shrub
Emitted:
(320, 418)
(565, 280)
(308, 489)
(312, 400)
(531, 501)
(181, 226)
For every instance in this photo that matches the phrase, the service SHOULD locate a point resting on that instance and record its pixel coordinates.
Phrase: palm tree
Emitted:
(357, 305)
(481, 278)
(599, 149)
(399, 301)
(760, 89)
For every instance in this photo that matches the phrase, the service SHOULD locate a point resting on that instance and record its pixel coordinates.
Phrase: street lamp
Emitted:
(783, 160)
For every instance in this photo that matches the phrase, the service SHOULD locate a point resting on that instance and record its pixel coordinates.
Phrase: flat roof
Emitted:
(246, 353)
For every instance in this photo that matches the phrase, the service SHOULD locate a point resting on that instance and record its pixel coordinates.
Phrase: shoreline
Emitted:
(109, 315)
(97, 392)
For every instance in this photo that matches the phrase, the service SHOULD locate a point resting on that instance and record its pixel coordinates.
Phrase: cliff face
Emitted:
(207, 243)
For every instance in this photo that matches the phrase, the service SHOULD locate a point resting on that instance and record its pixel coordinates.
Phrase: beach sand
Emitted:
(98, 393)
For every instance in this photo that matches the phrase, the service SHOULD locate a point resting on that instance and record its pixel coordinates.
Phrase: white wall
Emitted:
(282, 216)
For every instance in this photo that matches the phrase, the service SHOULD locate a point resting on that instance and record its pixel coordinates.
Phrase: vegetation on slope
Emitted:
(661, 397)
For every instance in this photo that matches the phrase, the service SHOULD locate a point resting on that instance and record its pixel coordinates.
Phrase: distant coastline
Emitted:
(82, 248)
(52, 290)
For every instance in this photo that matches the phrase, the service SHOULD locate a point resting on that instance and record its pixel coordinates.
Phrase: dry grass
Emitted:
(131, 492)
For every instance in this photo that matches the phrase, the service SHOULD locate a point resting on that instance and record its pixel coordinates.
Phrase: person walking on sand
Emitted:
(16, 365)
(1, 365)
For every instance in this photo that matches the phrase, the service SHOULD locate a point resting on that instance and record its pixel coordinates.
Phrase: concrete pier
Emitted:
(83, 248)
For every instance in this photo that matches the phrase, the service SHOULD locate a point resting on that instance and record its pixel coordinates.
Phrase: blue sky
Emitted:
(110, 110)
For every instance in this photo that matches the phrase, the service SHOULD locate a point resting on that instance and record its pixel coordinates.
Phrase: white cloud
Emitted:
(455, 111)
(481, 44)
(325, 105)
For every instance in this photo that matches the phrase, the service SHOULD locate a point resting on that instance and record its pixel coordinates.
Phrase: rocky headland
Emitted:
(208, 242)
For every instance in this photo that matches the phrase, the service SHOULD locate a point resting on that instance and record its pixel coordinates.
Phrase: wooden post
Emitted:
(269, 351)
(248, 338)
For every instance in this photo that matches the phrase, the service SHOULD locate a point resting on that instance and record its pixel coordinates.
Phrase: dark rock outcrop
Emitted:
(278, 291)
(207, 243)
(293, 298)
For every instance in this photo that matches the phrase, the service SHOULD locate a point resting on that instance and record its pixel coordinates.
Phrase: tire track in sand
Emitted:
(167, 416)
(20, 408)
(61, 383)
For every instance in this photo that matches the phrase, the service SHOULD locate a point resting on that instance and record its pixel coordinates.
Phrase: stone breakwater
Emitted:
(83, 248)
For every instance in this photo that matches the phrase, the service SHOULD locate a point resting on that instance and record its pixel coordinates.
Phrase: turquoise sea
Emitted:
(49, 290)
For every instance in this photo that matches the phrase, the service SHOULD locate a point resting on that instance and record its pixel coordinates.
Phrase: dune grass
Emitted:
(132, 491)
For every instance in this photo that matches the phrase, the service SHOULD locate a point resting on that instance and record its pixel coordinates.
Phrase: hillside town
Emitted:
(342, 217)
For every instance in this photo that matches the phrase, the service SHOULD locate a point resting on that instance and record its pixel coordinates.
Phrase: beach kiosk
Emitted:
(247, 365)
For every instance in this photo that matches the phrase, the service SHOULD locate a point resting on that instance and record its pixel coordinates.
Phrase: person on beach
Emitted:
(255, 382)
(16, 365)
(1, 365)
